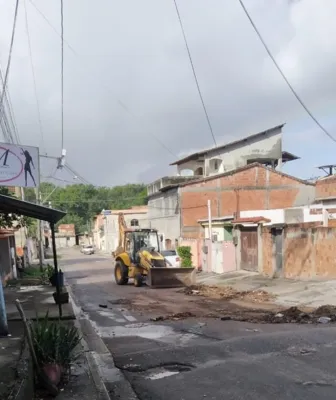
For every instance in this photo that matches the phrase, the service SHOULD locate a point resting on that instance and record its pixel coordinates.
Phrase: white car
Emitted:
(88, 250)
(171, 257)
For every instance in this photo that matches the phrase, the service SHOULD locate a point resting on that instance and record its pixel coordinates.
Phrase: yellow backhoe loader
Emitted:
(138, 257)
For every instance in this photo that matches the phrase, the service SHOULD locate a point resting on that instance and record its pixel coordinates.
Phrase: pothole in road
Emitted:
(167, 370)
(120, 301)
(159, 372)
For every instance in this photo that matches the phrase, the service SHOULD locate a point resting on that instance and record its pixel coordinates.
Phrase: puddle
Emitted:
(168, 370)
(38, 288)
(161, 375)
(145, 331)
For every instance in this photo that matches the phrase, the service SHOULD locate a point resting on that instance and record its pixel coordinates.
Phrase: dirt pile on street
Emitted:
(323, 315)
(229, 293)
(174, 317)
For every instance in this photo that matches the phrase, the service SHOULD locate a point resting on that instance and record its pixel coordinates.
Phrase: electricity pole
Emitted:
(39, 234)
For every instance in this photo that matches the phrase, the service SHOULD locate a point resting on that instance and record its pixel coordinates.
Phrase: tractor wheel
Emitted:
(120, 273)
(138, 280)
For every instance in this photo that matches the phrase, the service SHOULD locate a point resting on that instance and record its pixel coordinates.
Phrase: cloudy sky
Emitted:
(129, 89)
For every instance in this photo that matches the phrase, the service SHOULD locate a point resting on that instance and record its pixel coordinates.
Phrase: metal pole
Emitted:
(39, 232)
(3, 314)
(58, 291)
(210, 219)
(210, 233)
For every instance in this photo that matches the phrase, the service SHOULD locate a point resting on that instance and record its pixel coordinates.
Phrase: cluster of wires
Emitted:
(7, 118)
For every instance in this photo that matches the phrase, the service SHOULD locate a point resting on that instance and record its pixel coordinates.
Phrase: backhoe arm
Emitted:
(122, 227)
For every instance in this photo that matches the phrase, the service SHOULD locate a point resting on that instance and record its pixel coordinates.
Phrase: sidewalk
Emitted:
(36, 300)
(16, 372)
(288, 292)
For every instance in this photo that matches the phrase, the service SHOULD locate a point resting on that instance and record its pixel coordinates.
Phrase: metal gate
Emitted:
(249, 249)
(217, 257)
(278, 239)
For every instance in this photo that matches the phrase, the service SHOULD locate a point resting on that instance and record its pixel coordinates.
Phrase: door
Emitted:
(249, 249)
(217, 257)
(278, 238)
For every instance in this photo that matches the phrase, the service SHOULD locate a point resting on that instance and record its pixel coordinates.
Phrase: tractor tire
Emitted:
(120, 273)
(138, 280)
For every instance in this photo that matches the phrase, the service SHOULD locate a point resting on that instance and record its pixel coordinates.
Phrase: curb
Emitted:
(110, 382)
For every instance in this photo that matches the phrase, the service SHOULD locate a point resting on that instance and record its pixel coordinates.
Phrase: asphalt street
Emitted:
(196, 358)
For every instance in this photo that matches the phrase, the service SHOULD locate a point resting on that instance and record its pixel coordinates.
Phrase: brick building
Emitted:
(253, 187)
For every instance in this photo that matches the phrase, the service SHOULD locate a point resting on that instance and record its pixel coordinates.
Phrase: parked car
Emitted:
(171, 257)
(82, 247)
(88, 250)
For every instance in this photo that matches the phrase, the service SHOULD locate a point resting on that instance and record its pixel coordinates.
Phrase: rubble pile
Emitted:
(322, 315)
(174, 317)
(229, 293)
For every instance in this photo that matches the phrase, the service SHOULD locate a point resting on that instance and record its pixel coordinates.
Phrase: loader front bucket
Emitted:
(171, 277)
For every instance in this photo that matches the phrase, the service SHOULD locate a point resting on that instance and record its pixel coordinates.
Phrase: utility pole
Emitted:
(39, 232)
(210, 230)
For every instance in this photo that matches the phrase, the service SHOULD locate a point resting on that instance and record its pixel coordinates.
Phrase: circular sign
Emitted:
(11, 166)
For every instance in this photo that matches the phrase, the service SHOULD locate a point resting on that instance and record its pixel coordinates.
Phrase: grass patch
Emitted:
(12, 282)
(34, 271)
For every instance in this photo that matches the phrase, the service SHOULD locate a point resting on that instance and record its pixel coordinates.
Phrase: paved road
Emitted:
(199, 358)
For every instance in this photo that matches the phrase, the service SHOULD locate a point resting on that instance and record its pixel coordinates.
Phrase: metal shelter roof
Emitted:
(14, 205)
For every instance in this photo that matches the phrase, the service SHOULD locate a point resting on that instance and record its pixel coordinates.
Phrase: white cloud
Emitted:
(139, 57)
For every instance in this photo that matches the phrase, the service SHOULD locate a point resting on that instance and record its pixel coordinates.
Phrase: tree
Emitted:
(10, 220)
(83, 202)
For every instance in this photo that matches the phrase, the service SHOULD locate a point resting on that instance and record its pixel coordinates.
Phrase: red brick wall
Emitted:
(310, 253)
(254, 188)
(67, 229)
(326, 187)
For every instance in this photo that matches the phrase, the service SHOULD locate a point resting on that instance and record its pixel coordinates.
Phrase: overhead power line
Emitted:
(75, 53)
(150, 133)
(5, 81)
(8, 125)
(282, 73)
(194, 73)
(34, 79)
(62, 74)
(69, 168)
(51, 25)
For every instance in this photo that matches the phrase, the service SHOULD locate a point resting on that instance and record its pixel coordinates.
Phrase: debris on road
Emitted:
(229, 293)
(103, 305)
(324, 320)
(321, 315)
(174, 317)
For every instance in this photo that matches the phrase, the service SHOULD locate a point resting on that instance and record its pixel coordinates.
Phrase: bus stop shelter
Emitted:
(13, 205)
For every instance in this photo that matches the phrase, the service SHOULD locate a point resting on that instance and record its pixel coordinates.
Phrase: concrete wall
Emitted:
(293, 215)
(308, 252)
(254, 187)
(234, 156)
(65, 241)
(164, 215)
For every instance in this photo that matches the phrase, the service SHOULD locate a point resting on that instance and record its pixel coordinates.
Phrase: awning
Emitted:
(13, 205)
(251, 220)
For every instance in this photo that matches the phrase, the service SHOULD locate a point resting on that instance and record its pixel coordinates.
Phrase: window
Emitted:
(228, 233)
(215, 164)
(134, 222)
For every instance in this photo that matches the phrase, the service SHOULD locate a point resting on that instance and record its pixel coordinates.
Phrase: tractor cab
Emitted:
(141, 240)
